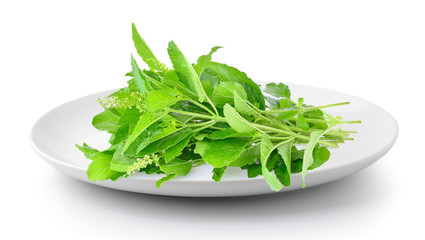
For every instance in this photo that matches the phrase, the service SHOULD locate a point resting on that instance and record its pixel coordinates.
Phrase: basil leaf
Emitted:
(302, 122)
(185, 71)
(218, 173)
(231, 74)
(249, 156)
(106, 121)
(308, 153)
(164, 179)
(224, 92)
(222, 152)
(142, 48)
(159, 99)
(177, 166)
(141, 83)
(266, 149)
(278, 90)
(236, 121)
(320, 156)
(100, 168)
(204, 60)
(175, 150)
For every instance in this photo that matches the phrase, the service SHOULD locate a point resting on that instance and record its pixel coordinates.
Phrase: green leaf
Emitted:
(228, 133)
(171, 80)
(204, 60)
(201, 136)
(142, 135)
(130, 116)
(121, 162)
(286, 103)
(300, 102)
(167, 125)
(141, 83)
(142, 48)
(165, 142)
(106, 121)
(176, 150)
(159, 99)
(222, 152)
(185, 71)
(287, 115)
(207, 88)
(164, 179)
(236, 121)
(254, 170)
(302, 122)
(278, 90)
(100, 168)
(177, 166)
(320, 156)
(282, 174)
(285, 152)
(249, 156)
(120, 135)
(224, 93)
(218, 173)
(231, 74)
(308, 153)
(316, 114)
(273, 159)
(242, 107)
(145, 121)
(297, 166)
(296, 154)
(88, 151)
(273, 102)
(283, 167)
(266, 149)
(151, 169)
(209, 76)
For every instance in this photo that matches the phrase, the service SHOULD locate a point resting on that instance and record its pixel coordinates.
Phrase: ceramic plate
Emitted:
(55, 134)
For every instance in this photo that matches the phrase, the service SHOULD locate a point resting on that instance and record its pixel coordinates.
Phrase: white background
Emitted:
(54, 51)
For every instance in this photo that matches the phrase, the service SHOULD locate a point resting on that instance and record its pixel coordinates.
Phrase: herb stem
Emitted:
(324, 121)
(200, 105)
(192, 114)
(330, 133)
(293, 134)
(326, 106)
(277, 111)
(199, 124)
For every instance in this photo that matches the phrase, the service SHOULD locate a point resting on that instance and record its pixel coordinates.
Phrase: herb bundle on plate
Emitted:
(167, 121)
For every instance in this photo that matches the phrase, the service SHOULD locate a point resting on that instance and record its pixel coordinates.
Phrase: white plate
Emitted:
(55, 134)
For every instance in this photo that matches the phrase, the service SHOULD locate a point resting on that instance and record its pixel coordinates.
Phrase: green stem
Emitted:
(327, 141)
(294, 135)
(277, 111)
(323, 121)
(200, 105)
(193, 114)
(279, 138)
(326, 106)
(217, 128)
(258, 111)
(199, 124)
(276, 146)
(306, 109)
(330, 133)
(206, 96)
(212, 122)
